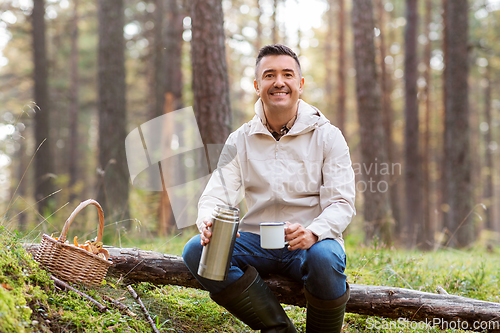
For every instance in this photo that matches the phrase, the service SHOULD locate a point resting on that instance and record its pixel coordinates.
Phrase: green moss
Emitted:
(30, 303)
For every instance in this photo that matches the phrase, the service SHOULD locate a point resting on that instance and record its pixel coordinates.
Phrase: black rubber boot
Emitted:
(325, 315)
(251, 301)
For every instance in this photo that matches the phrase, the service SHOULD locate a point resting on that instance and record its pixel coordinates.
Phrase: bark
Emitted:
(427, 241)
(73, 108)
(43, 158)
(210, 78)
(171, 93)
(258, 39)
(158, 62)
(476, 156)
(165, 215)
(489, 198)
(444, 174)
(173, 52)
(275, 31)
(387, 117)
(113, 179)
(329, 90)
(413, 191)
(160, 105)
(457, 129)
(136, 265)
(341, 70)
(373, 148)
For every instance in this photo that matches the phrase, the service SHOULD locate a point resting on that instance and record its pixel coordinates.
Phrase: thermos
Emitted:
(217, 254)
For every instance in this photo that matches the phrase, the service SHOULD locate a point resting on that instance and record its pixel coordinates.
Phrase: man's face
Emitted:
(279, 83)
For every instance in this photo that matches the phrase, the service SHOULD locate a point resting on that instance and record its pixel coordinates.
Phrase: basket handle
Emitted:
(81, 206)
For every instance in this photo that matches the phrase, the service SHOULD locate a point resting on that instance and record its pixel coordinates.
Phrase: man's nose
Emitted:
(279, 81)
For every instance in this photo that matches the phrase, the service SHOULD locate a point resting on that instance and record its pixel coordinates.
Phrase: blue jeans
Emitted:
(320, 268)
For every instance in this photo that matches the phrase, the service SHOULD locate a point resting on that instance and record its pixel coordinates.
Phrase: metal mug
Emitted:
(272, 235)
(216, 255)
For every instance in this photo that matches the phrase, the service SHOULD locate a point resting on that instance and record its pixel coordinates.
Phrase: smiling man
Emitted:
(293, 166)
(279, 83)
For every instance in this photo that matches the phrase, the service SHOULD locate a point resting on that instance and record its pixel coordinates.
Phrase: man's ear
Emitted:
(256, 86)
(301, 86)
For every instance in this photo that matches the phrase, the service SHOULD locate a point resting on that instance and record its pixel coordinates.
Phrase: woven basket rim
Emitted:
(72, 247)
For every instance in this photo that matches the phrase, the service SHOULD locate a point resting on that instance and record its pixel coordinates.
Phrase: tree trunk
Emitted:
(43, 157)
(275, 30)
(413, 226)
(172, 96)
(444, 208)
(210, 80)
(113, 178)
(329, 90)
(341, 70)
(489, 198)
(160, 105)
(427, 241)
(158, 62)
(173, 53)
(258, 38)
(457, 154)
(373, 148)
(387, 118)
(73, 108)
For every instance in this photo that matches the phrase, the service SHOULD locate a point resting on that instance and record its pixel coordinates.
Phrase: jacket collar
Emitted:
(308, 118)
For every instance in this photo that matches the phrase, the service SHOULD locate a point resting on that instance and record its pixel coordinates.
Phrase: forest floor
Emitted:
(29, 302)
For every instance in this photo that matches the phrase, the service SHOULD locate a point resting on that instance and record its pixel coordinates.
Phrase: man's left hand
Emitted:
(299, 237)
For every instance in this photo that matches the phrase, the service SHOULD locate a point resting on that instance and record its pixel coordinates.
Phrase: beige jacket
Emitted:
(306, 177)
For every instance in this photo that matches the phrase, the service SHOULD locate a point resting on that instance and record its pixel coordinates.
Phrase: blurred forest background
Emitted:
(413, 85)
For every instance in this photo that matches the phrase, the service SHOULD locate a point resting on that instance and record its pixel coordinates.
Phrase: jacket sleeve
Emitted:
(337, 192)
(227, 176)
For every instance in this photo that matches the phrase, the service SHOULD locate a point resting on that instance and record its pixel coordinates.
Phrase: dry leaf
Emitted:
(6, 286)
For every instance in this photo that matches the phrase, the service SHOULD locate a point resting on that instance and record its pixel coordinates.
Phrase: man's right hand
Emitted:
(205, 232)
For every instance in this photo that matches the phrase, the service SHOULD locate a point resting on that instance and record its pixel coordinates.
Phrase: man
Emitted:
(294, 167)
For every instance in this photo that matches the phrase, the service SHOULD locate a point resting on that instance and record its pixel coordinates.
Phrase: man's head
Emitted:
(276, 49)
(278, 81)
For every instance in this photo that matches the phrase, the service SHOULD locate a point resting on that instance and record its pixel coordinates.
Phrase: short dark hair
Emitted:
(276, 49)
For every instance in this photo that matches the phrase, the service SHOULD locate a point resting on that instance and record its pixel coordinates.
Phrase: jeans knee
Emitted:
(327, 252)
(323, 257)
(323, 270)
(192, 253)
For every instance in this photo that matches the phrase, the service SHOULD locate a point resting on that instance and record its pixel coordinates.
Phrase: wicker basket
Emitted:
(68, 262)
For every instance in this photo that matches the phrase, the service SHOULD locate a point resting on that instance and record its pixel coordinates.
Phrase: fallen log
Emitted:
(447, 311)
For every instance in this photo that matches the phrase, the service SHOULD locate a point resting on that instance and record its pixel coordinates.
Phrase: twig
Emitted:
(64, 285)
(122, 307)
(138, 300)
